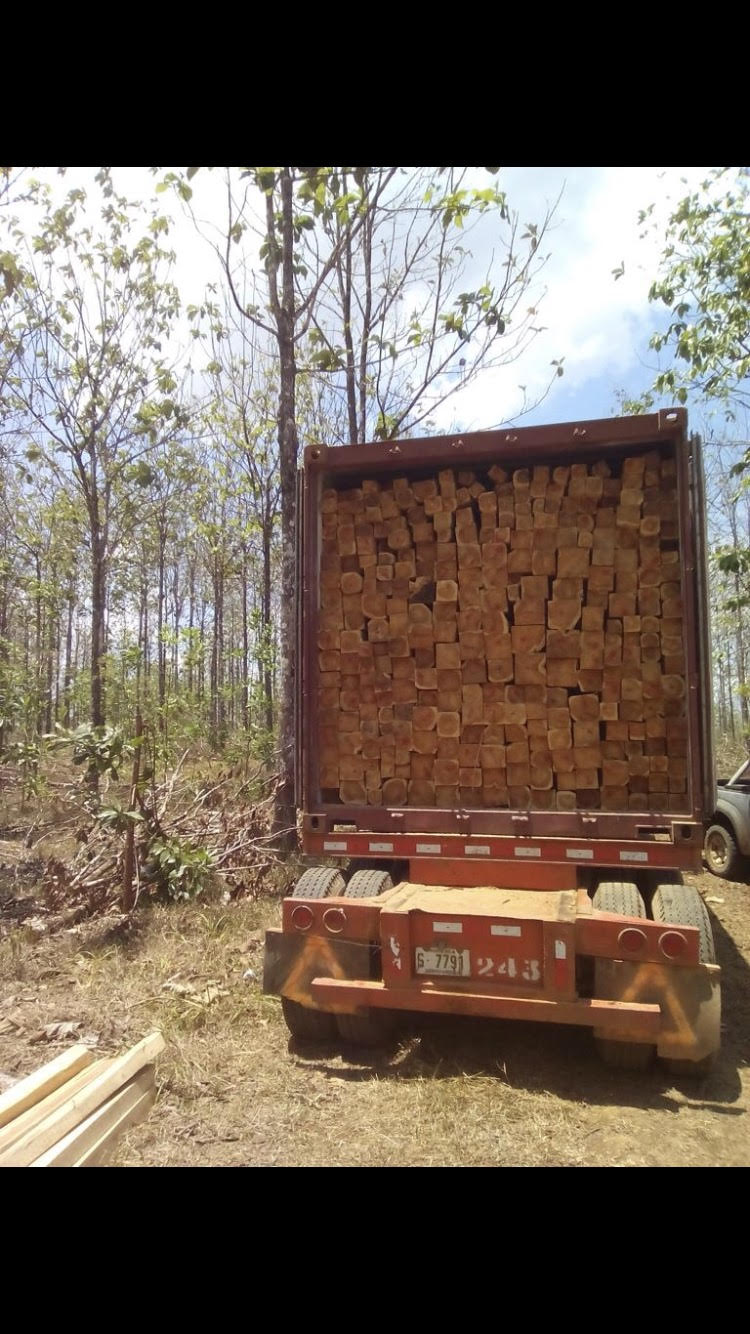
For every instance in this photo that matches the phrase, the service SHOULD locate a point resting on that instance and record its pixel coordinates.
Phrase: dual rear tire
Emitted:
(622, 897)
(318, 882)
(675, 903)
(370, 1028)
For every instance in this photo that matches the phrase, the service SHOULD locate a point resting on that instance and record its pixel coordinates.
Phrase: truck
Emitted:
(727, 842)
(504, 751)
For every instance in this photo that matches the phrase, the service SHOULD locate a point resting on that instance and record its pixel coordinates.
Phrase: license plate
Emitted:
(444, 963)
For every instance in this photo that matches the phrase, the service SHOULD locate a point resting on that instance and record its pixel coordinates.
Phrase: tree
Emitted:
(240, 418)
(705, 284)
(330, 307)
(89, 384)
(408, 318)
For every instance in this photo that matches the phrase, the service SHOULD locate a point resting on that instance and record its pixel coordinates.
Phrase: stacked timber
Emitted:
(72, 1111)
(512, 638)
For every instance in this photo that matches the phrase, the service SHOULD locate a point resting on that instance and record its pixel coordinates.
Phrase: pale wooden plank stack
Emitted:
(509, 638)
(72, 1111)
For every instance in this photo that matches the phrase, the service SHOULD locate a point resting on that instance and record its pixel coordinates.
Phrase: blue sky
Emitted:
(599, 324)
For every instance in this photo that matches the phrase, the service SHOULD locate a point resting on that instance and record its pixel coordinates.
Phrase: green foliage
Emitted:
(26, 756)
(178, 869)
(705, 284)
(101, 749)
(14, 703)
(117, 817)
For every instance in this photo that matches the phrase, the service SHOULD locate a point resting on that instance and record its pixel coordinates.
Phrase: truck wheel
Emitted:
(366, 884)
(624, 897)
(721, 853)
(370, 1029)
(318, 882)
(683, 905)
(308, 1025)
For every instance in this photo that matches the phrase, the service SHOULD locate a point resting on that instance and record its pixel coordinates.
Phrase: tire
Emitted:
(366, 884)
(623, 897)
(683, 906)
(373, 1027)
(318, 882)
(308, 1025)
(620, 896)
(721, 854)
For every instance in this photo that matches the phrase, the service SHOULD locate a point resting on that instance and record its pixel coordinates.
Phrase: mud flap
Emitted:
(292, 962)
(689, 998)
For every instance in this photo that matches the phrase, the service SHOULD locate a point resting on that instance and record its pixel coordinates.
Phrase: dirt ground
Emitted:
(235, 1091)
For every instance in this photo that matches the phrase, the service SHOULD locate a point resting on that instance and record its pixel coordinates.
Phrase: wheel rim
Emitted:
(716, 852)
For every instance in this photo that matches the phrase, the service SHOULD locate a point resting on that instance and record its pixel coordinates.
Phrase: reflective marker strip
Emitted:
(430, 847)
(528, 852)
(505, 930)
(448, 928)
(633, 856)
(380, 847)
(580, 854)
(560, 950)
(477, 849)
(328, 846)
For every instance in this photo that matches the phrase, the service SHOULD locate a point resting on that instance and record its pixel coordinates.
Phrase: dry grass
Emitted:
(234, 1091)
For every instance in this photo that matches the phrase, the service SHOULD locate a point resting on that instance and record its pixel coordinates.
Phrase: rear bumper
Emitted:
(335, 994)
(679, 1012)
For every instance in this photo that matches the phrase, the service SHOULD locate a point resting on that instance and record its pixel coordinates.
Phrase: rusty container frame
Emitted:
(614, 438)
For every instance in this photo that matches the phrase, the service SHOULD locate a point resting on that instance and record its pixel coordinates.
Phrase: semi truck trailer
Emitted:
(503, 738)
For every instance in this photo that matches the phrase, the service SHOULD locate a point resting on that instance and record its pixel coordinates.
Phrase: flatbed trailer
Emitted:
(559, 903)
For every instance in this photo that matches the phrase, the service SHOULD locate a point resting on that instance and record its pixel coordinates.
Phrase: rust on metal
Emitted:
(689, 1000)
(491, 845)
(642, 1019)
(293, 962)
(610, 936)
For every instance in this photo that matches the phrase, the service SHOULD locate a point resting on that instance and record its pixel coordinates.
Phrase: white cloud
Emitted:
(601, 326)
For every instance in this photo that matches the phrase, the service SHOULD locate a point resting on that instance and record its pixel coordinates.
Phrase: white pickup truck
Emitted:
(727, 841)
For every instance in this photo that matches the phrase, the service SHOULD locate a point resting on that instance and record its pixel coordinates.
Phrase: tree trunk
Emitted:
(741, 672)
(52, 641)
(98, 612)
(38, 641)
(285, 814)
(218, 727)
(267, 624)
(68, 686)
(177, 603)
(161, 648)
(191, 623)
(4, 647)
(245, 693)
